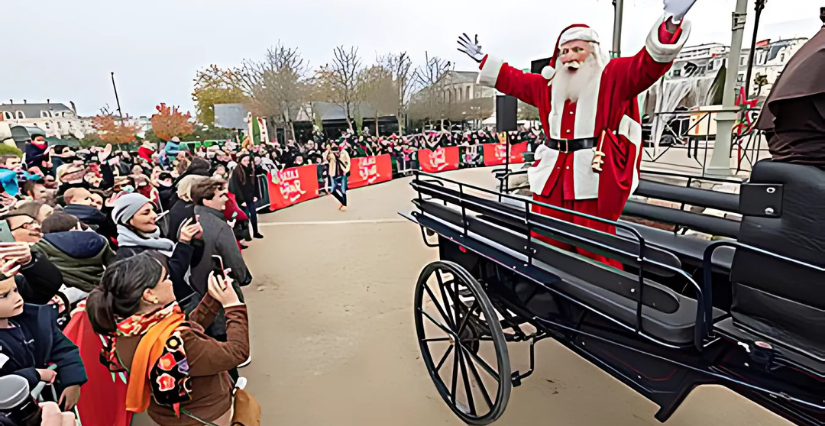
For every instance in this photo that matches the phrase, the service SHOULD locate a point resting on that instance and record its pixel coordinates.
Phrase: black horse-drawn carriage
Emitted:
(746, 311)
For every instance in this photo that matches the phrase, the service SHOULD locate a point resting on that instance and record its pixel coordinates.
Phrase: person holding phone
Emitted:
(176, 370)
(137, 232)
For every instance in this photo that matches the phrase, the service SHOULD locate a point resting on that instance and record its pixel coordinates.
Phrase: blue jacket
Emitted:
(47, 343)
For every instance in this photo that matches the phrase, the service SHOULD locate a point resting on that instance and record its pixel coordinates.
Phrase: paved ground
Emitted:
(334, 343)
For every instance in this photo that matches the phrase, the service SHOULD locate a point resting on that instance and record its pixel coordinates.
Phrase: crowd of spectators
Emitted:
(144, 246)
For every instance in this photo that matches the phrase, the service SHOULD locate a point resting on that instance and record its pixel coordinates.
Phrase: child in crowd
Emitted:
(30, 341)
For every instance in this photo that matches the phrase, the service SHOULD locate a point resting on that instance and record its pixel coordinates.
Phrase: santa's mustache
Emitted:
(573, 65)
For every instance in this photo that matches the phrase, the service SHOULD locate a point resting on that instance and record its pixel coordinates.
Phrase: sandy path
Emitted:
(334, 342)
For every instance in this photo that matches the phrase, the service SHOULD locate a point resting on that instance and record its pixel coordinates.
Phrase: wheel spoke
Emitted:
(438, 305)
(443, 358)
(482, 363)
(464, 320)
(455, 377)
(437, 339)
(441, 287)
(438, 324)
(484, 392)
(466, 381)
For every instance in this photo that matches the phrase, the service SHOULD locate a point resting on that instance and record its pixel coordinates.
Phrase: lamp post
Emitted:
(760, 5)
(116, 97)
(725, 119)
(618, 9)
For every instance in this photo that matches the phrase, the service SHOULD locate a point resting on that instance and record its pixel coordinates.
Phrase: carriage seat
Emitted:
(666, 315)
(783, 210)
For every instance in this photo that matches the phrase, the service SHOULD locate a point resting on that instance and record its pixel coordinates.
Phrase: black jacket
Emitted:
(177, 265)
(38, 281)
(46, 344)
(245, 191)
(87, 214)
(178, 214)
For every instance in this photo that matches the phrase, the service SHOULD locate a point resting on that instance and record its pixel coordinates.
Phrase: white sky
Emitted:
(65, 49)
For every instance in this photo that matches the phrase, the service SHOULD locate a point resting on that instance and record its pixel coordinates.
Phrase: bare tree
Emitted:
(433, 99)
(339, 81)
(400, 65)
(378, 89)
(277, 86)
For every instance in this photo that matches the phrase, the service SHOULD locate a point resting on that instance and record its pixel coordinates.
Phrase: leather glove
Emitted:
(470, 48)
(678, 8)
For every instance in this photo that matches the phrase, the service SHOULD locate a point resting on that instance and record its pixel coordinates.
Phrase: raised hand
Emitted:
(678, 8)
(470, 48)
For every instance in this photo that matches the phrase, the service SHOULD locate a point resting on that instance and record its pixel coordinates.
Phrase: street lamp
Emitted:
(618, 8)
(760, 5)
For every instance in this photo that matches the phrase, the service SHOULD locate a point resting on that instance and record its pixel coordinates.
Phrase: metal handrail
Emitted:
(702, 307)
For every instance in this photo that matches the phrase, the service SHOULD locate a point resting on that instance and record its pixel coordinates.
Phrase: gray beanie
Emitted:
(126, 206)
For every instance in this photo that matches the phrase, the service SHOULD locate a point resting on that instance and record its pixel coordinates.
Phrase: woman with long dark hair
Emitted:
(176, 371)
(243, 184)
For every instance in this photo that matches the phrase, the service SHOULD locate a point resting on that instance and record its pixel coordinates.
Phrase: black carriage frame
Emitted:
(706, 339)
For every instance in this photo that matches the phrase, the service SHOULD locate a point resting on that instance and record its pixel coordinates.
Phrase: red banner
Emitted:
(369, 170)
(495, 154)
(292, 186)
(440, 160)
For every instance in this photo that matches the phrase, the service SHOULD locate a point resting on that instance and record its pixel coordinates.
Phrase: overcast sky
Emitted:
(64, 50)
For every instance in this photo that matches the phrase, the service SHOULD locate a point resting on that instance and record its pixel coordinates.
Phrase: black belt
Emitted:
(570, 145)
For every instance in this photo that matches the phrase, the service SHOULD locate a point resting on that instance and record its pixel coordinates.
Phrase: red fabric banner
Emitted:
(440, 160)
(292, 186)
(369, 170)
(495, 154)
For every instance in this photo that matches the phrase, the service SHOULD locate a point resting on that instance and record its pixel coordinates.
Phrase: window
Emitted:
(467, 96)
(20, 115)
(47, 126)
(742, 60)
(7, 115)
(782, 58)
(44, 114)
(59, 125)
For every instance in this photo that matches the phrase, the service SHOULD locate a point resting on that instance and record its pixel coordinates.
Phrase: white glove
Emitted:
(470, 48)
(678, 8)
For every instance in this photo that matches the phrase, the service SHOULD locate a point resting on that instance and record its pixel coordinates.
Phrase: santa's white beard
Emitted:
(573, 82)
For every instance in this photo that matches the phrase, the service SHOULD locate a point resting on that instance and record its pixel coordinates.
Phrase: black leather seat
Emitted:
(666, 315)
(784, 213)
(689, 249)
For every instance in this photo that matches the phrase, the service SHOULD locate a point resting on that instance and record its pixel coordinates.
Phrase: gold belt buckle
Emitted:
(566, 146)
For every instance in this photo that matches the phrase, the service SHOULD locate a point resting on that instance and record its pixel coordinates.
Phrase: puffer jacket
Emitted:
(80, 256)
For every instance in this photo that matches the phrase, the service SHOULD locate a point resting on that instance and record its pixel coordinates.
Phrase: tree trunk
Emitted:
(292, 130)
(376, 124)
(400, 125)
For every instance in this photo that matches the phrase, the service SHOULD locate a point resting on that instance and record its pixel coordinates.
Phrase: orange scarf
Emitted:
(148, 352)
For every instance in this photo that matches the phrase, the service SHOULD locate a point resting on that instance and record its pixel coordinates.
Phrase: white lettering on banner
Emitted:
(501, 151)
(368, 170)
(290, 183)
(438, 159)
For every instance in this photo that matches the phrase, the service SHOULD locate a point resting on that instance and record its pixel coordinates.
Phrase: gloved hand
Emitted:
(470, 48)
(678, 8)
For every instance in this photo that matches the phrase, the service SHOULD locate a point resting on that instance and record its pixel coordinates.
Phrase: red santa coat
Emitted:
(608, 105)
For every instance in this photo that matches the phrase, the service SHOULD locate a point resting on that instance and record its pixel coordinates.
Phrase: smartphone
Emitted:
(217, 264)
(5, 232)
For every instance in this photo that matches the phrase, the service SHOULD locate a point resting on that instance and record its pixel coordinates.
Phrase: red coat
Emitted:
(609, 104)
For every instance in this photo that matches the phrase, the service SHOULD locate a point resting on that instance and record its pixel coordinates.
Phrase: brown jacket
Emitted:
(333, 165)
(209, 361)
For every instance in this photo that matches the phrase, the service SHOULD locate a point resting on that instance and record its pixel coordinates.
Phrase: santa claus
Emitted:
(590, 114)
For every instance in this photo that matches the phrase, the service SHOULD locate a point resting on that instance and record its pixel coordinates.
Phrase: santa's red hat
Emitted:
(571, 33)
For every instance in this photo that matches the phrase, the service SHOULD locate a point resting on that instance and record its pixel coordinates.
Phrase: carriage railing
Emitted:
(704, 309)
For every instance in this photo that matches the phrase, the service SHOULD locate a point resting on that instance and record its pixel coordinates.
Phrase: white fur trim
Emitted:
(665, 53)
(632, 130)
(538, 175)
(488, 76)
(548, 72)
(585, 180)
(579, 33)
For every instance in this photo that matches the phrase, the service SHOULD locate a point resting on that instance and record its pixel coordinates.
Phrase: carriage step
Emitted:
(516, 379)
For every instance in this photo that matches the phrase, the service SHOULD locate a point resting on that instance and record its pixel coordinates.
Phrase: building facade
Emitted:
(55, 119)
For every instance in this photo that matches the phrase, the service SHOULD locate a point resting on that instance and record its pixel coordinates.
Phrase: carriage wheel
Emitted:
(453, 317)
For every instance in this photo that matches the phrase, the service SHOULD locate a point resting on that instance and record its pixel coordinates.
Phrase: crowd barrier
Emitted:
(295, 185)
